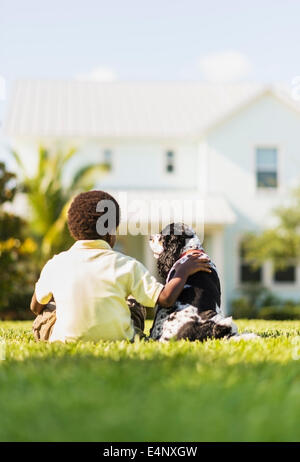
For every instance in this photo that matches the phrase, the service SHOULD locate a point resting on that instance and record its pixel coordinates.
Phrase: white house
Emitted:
(236, 147)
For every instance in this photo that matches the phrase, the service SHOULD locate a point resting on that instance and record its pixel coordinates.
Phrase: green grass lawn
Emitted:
(215, 391)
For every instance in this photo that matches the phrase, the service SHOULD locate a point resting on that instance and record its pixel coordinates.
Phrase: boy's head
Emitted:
(94, 215)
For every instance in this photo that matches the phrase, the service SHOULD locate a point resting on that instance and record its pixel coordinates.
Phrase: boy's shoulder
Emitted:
(57, 258)
(122, 256)
(127, 259)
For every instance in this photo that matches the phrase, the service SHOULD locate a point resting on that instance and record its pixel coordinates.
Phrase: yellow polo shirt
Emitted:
(90, 283)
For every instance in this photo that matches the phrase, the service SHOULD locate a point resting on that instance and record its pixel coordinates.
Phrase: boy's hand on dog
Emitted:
(173, 288)
(192, 265)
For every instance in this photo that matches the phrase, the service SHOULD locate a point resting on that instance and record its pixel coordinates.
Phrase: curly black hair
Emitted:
(173, 240)
(84, 213)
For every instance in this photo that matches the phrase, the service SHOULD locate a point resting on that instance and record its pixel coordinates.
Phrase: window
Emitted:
(247, 273)
(170, 161)
(266, 168)
(107, 157)
(287, 274)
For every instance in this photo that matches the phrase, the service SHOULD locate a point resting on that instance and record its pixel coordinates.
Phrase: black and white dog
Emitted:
(196, 314)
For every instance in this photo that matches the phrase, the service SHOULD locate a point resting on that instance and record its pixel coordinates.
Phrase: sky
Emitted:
(143, 40)
(213, 40)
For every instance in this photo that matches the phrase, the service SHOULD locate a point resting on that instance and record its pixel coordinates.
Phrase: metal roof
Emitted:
(40, 108)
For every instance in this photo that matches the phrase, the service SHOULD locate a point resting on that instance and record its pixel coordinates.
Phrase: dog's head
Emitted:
(170, 243)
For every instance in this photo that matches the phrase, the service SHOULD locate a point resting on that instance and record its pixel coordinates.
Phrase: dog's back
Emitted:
(202, 290)
(190, 317)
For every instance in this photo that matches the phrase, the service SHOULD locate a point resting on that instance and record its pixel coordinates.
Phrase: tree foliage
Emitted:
(280, 244)
(49, 194)
(17, 271)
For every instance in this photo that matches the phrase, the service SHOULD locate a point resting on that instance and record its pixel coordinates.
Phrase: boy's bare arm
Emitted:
(172, 289)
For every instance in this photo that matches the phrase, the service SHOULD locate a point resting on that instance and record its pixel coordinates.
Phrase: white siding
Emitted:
(142, 165)
(231, 158)
(231, 171)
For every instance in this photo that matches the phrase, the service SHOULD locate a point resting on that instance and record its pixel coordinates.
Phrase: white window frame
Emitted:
(283, 284)
(165, 162)
(238, 282)
(104, 152)
(266, 147)
(267, 280)
(280, 155)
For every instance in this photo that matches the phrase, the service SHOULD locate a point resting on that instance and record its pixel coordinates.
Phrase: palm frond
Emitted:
(19, 162)
(69, 154)
(55, 230)
(48, 195)
(42, 160)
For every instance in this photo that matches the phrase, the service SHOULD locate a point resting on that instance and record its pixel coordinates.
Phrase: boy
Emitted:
(90, 282)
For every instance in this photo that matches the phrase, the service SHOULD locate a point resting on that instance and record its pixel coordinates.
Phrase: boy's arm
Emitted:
(43, 289)
(172, 289)
(147, 291)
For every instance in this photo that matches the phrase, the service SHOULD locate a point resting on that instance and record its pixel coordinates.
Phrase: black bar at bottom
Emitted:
(138, 450)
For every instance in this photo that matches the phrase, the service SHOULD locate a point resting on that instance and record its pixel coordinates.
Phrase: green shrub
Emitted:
(259, 302)
(255, 295)
(270, 299)
(279, 313)
(242, 309)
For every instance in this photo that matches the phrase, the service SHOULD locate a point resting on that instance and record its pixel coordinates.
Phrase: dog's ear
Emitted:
(172, 245)
(174, 238)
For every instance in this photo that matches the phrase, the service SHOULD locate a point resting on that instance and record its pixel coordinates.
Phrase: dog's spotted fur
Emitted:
(196, 314)
(185, 322)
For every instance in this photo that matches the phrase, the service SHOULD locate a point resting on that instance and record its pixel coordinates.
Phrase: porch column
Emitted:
(150, 261)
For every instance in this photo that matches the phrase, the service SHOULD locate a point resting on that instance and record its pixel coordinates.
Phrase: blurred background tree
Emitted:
(17, 269)
(48, 194)
(280, 244)
(27, 243)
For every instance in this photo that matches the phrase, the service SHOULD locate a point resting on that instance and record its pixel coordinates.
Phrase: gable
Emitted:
(275, 99)
(232, 145)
